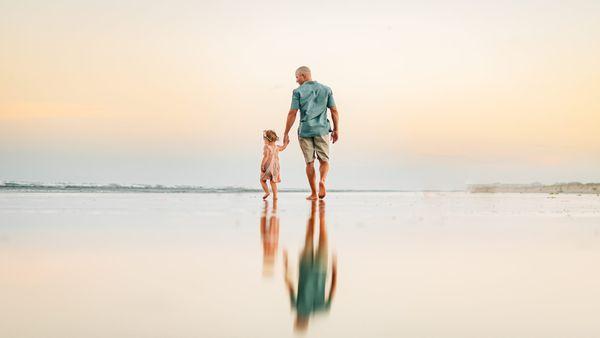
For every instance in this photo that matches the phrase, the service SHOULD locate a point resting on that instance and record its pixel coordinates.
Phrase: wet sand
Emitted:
(211, 265)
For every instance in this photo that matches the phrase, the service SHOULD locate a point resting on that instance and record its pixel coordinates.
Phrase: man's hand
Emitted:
(285, 264)
(286, 139)
(334, 136)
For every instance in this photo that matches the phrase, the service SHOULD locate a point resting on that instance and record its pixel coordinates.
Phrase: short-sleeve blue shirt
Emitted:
(313, 99)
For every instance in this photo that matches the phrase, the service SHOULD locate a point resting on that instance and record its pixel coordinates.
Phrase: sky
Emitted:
(431, 94)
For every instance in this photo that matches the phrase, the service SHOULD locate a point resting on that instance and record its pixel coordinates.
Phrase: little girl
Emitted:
(269, 167)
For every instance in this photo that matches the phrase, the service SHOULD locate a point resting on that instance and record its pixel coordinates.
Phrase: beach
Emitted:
(410, 264)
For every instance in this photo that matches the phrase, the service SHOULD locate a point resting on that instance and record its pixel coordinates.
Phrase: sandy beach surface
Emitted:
(209, 265)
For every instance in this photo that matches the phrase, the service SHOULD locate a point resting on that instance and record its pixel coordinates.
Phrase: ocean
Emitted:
(83, 262)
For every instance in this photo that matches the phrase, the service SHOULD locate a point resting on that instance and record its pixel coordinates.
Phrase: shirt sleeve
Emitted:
(295, 100)
(330, 101)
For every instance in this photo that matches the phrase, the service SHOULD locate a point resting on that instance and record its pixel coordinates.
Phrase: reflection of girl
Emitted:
(313, 273)
(270, 237)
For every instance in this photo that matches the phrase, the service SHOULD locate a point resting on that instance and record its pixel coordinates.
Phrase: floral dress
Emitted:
(272, 165)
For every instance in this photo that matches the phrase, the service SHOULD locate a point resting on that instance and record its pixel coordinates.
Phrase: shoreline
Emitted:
(557, 188)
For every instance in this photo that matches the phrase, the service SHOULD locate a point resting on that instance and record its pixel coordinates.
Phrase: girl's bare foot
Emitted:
(322, 191)
(266, 195)
(312, 197)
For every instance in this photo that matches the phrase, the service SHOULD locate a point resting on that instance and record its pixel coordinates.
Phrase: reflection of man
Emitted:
(269, 234)
(311, 297)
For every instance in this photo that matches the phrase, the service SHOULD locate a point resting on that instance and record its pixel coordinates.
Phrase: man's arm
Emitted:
(336, 126)
(291, 118)
(282, 147)
(333, 278)
(288, 279)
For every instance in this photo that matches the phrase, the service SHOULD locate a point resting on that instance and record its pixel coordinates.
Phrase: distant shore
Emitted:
(558, 188)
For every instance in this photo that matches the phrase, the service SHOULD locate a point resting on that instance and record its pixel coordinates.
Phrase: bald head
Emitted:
(303, 70)
(303, 75)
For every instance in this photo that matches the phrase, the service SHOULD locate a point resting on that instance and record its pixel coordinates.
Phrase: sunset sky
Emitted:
(431, 94)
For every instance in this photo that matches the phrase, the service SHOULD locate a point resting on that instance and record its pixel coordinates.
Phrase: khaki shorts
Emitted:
(318, 145)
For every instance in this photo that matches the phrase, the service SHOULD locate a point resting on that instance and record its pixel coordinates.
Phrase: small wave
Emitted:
(114, 187)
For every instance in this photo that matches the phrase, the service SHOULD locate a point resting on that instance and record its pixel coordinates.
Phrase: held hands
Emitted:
(286, 139)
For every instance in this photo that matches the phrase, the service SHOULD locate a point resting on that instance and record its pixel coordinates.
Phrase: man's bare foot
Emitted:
(266, 195)
(312, 197)
(322, 191)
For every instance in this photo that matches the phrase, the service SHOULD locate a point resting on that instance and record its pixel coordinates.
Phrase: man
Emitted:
(313, 99)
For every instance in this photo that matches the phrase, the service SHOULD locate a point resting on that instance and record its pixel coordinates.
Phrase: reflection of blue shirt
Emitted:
(313, 99)
(311, 287)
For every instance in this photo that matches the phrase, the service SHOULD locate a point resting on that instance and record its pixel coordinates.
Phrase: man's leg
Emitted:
(310, 174)
(310, 226)
(323, 170)
(322, 228)
(322, 151)
(308, 150)
(322, 248)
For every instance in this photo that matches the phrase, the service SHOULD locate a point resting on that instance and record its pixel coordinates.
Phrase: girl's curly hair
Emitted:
(270, 135)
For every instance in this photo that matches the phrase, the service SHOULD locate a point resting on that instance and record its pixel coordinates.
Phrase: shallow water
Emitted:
(210, 265)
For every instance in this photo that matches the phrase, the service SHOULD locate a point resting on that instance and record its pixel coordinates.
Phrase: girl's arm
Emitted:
(282, 148)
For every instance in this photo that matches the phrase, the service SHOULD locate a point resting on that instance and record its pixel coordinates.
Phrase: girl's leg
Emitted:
(265, 188)
(274, 189)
